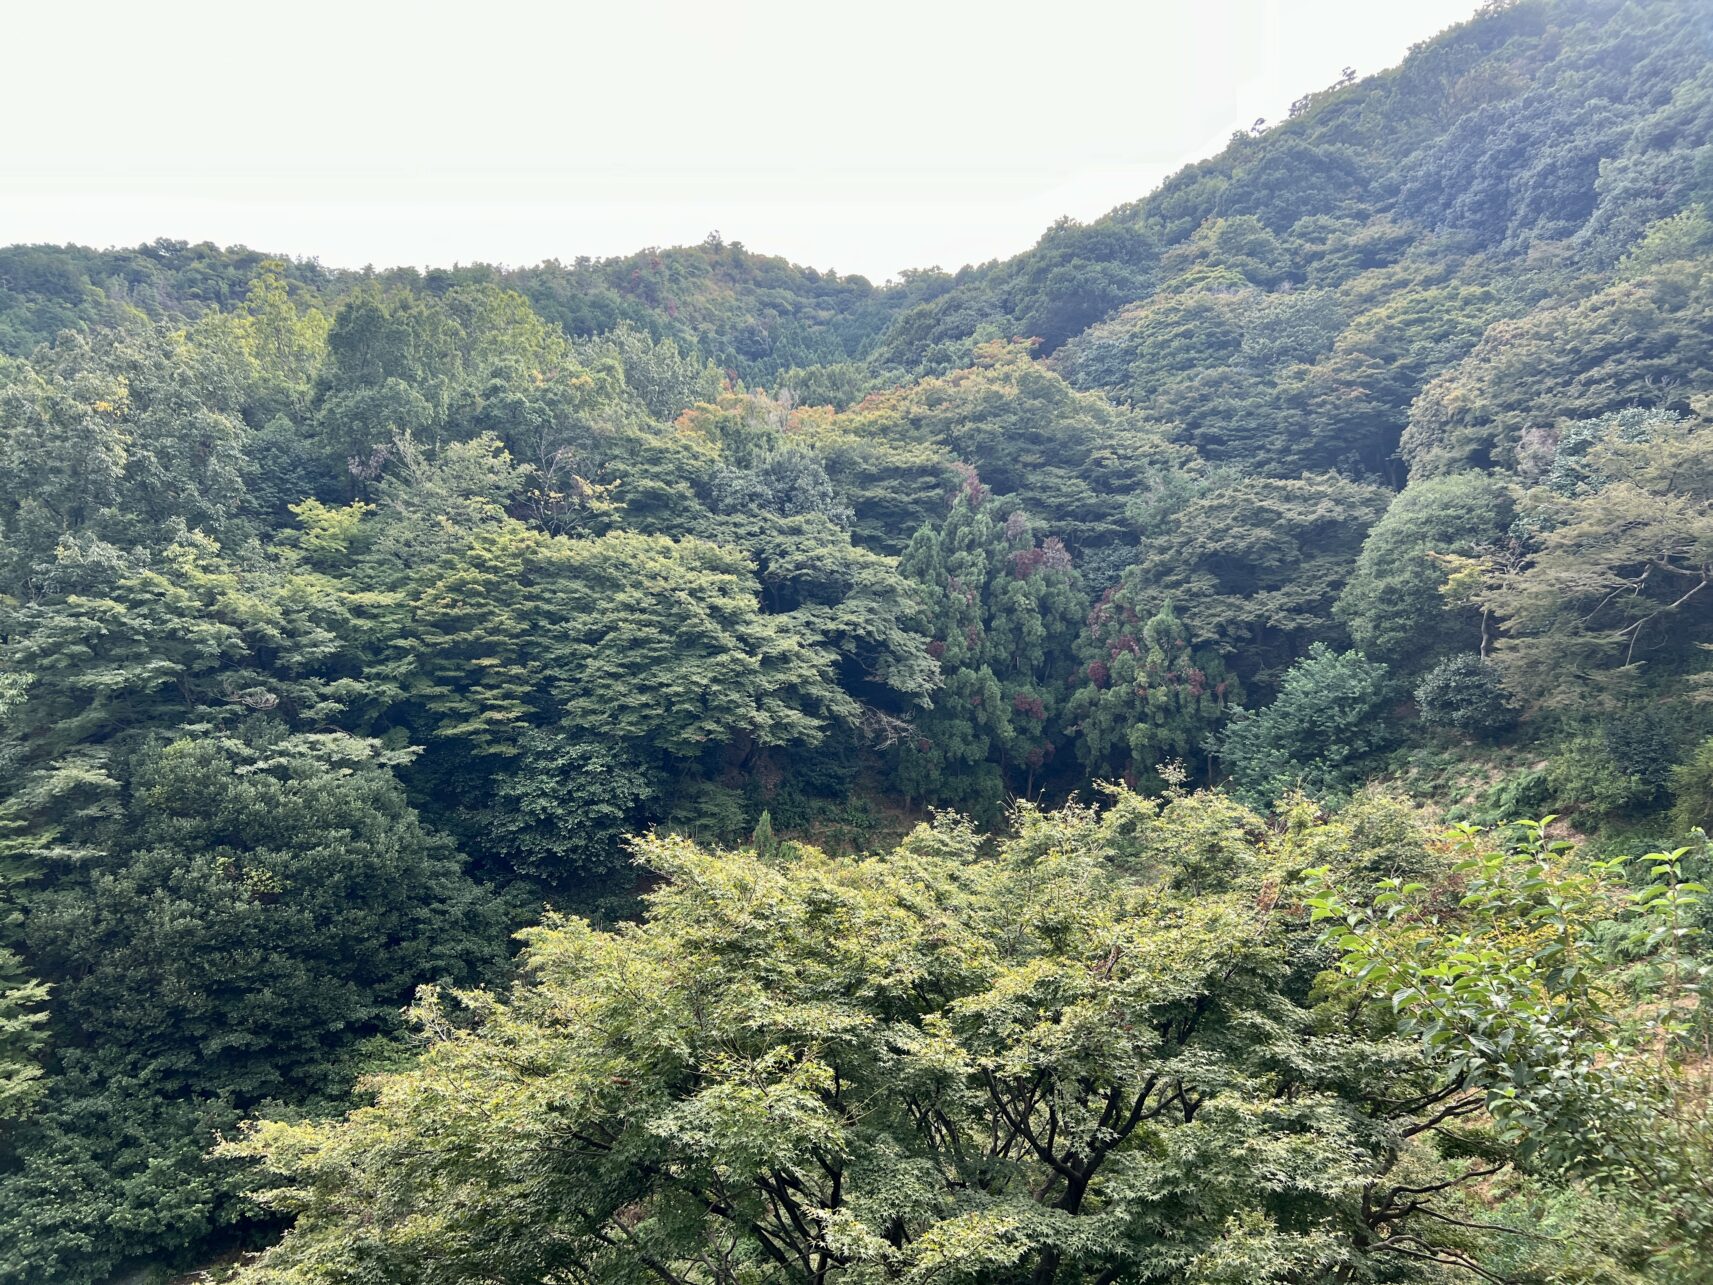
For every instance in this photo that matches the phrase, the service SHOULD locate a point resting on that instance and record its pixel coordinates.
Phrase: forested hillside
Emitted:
(1012, 672)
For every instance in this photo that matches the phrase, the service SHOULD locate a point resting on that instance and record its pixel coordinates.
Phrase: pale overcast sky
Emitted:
(860, 137)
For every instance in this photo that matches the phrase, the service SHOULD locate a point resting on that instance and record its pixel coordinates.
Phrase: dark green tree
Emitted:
(1003, 609)
(1328, 719)
(1146, 694)
(1395, 605)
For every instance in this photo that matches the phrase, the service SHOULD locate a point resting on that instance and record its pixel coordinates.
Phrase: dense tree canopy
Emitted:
(1066, 1059)
(352, 621)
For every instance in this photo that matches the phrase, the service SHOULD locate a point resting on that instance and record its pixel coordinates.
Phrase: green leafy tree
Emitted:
(1503, 990)
(1147, 694)
(256, 907)
(22, 1015)
(394, 361)
(667, 380)
(1042, 1063)
(855, 602)
(1465, 693)
(242, 872)
(477, 632)
(1564, 361)
(121, 643)
(1395, 605)
(1071, 458)
(563, 810)
(1007, 1138)
(1692, 789)
(763, 841)
(662, 645)
(1002, 608)
(1327, 719)
(1616, 575)
(118, 437)
(1254, 568)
